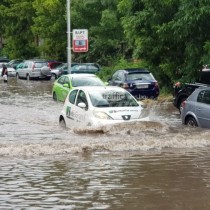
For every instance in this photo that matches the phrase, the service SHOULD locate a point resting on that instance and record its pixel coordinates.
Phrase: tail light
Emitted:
(48, 64)
(183, 105)
(33, 66)
(125, 86)
(156, 84)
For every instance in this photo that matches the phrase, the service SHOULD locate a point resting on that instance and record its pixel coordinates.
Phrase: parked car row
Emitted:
(31, 69)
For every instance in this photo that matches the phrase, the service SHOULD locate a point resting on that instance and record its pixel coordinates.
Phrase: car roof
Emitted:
(79, 75)
(193, 96)
(203, 88)
(134, 70)
(92, 88)
(35, 60)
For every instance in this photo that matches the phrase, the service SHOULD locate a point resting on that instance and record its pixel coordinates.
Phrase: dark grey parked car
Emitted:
(195, 110)
(34, 69)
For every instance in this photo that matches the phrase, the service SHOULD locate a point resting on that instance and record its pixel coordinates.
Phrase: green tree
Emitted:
(50, 28)
(17, 17)
(172, 36)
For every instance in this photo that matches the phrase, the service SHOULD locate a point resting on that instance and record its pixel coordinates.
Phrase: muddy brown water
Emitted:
(158, 164)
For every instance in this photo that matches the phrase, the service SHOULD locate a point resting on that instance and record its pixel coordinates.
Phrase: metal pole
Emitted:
(68, 36)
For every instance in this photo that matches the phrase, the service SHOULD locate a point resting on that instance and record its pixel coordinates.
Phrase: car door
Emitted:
(203, 108)
(62, 88)
(21, 70)
(25, 69)
(79, 114)
(66, 88)
(70, 107)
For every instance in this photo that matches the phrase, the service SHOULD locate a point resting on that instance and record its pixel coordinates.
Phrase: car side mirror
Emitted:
(82, 105)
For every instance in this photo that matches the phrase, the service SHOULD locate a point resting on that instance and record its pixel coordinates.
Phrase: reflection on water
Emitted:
(169, 180)
(158, 164)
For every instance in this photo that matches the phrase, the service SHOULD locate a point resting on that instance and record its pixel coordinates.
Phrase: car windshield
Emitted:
(86, 81)
(84, 67)
(140, 76)
(112, 98)
(61, 66)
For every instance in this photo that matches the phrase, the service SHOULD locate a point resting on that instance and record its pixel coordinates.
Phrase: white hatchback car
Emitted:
(97, 106)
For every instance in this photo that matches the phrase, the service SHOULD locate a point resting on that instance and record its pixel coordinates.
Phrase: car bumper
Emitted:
(99, 122)
(144, 94)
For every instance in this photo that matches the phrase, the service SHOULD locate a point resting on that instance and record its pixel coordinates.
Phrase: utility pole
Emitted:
(68, 2)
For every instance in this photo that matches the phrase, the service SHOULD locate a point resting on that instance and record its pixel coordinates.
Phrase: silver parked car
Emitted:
(34, 69)
(195, 110)
(10, 69)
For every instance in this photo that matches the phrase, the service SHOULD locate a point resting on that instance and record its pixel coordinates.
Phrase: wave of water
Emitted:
(29, 127)
(141, 136)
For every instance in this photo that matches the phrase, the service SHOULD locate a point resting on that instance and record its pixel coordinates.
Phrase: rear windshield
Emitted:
(40, 64)
(140, 76)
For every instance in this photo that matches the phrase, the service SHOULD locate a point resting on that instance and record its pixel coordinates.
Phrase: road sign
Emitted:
(80, 40)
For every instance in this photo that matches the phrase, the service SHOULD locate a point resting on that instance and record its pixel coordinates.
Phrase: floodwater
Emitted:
(155, 165)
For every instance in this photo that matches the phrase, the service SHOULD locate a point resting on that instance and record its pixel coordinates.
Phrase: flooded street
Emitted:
(155, 165)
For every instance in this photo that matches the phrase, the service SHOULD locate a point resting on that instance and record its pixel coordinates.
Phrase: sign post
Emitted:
(68, 36)
(80, 40)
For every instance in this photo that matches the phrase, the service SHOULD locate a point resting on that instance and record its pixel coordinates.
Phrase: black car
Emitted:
(182, 91)
(139, 82)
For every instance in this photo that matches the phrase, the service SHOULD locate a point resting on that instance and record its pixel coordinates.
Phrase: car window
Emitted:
(140, 76)
(40, 64)
(66, 80)
(88, 81)
(26, 65)
(81, 98)
(204, 97)
(121, 76)
(72, 96)
(115, 75)
(92, 67)
(61, 80)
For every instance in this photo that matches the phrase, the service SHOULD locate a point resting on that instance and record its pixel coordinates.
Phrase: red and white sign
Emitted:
(80, 40)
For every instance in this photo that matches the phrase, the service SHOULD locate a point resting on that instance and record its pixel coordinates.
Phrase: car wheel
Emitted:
(48, 78)
(17, 76)
(191, 121)
(54, 76)
(62, 123)
(28, 77)
(55, 96)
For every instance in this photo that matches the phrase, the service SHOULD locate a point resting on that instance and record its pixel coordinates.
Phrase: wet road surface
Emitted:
(146, 165)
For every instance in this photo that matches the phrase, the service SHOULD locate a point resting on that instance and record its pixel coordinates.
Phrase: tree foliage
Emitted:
(171, 37)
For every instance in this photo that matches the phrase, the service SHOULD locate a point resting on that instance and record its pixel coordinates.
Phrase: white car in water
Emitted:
(97, 106)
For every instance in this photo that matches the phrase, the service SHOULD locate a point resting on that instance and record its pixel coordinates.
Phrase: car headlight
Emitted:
(102, 115)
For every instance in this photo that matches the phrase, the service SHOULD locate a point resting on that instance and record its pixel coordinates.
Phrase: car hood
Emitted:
(122, 113)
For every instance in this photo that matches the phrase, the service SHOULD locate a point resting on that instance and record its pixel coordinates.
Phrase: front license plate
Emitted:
(142, 86)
